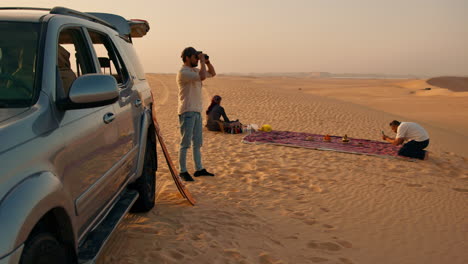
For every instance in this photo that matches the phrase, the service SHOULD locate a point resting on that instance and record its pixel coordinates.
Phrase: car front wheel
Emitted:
(146, 184)
(44, 248)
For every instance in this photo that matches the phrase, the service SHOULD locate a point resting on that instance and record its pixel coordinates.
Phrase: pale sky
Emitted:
(422, 37)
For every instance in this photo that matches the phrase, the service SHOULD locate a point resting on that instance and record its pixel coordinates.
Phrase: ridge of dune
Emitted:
(415, 84)
(276, 204)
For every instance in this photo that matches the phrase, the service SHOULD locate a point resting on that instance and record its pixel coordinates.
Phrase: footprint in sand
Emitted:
(276, 242)
(329, 246)
(460, 190)
(346, 261)
(300, 197)
(413, 185)
(283, 179)
(344, 243)
(176, 255)
(315, 188)
(299, 214)
(318, 259)
(327, 180)
(294, 182)
(198, 237)
(292, 170)
(248, 215)
(310, 222)
(233, 253)
(265, 258)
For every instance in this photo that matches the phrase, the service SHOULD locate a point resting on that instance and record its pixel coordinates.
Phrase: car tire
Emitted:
(44, 248)
(146, 184)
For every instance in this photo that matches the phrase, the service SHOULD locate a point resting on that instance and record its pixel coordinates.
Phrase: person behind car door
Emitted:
(66, 73)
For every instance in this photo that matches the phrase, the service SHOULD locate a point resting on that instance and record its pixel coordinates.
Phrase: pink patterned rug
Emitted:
(315, 141)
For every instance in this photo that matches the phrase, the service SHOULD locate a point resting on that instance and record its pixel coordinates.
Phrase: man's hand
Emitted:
(202, 73)
(201, 57)
(211, 69)
(394, 141)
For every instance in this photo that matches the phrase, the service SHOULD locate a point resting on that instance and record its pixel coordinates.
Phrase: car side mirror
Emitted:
(91, 90)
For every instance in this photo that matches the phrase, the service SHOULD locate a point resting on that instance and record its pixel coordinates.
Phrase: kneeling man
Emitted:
(416, 135)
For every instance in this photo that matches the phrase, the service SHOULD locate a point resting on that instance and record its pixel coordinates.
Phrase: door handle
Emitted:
(108, 117)
(137, 102)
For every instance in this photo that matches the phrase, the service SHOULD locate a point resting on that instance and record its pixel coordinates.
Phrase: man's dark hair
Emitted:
(395, 123)
(188, 52)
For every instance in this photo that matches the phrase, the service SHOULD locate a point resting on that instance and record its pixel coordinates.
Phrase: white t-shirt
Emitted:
(190, 90)
(411, 131)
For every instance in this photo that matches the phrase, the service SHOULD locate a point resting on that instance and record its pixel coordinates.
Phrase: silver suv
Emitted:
(77, 144)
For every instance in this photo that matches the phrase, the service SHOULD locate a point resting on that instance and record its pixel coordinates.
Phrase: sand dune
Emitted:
(273, 204)
(456, 84)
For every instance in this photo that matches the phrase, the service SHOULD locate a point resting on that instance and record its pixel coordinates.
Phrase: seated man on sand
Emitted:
(416, 135)
(214, 113)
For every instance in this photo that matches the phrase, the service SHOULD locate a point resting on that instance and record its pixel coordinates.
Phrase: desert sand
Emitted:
(275, 204)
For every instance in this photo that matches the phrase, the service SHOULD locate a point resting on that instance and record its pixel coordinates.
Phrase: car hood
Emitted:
(7, 113)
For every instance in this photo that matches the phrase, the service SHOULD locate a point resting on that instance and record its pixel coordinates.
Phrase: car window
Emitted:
(109, 58)
(18, 57)
(132, 55)
(73, 57)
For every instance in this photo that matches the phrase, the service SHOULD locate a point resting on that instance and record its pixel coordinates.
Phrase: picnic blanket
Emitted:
(316, 141)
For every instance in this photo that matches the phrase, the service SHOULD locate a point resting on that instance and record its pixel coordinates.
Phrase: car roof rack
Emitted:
(65, 11)
(126, 28)
(25, 8)
(71, 12)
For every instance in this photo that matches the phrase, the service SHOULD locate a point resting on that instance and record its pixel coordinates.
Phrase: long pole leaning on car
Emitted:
(175, 173)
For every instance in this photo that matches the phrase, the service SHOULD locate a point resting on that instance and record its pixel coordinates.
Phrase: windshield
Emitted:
(18, 55)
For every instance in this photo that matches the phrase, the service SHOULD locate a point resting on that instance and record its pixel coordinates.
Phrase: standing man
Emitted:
(189, 81)
(416, 135)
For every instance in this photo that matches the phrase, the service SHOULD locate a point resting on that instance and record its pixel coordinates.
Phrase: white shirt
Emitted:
(412, 131)
(190, 90)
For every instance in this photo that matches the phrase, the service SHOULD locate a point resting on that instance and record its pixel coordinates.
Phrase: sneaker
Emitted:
(186, 176)
(202, 172)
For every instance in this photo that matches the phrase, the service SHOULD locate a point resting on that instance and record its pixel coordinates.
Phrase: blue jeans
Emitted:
(190, 130)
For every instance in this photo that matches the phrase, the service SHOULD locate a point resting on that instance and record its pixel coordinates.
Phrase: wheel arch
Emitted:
(147, 129)
(36, 199)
